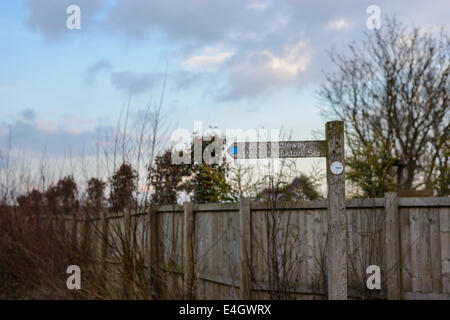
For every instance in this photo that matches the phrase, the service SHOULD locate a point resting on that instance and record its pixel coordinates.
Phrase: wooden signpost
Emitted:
(333, 149)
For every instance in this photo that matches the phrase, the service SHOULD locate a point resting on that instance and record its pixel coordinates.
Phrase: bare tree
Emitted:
(392, 90)
(243, 181)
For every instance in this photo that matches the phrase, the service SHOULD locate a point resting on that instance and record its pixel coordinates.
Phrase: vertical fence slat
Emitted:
(154, 256)
(392, 247)
(426, 251)
(414, 222)
(103, 246)
(405, 249)
(308, 239)
(190, 252)
(245, 249)
(444, 219)
(435, 243)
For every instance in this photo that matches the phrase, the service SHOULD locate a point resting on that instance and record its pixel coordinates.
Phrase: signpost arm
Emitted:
(337, 219)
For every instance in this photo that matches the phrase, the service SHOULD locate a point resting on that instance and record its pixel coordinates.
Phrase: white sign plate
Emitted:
(337, 167)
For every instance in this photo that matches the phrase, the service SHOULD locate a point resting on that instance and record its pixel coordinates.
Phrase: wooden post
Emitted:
(245, 249)
(190, 252)
(337, 219)
(392, 269)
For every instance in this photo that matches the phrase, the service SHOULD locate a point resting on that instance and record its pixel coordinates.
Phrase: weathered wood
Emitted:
(169, 208)
(202, 245)
(392, 247)
(415, 243)
(307, 239)
(216, 242)
(358, 264)
(207, 207)
(85, 234)
(104, 245)
(424, 202)
(127, 247)
(234, 232)
(405, 249)
(258, 246)
(337, 219)
(155, 261)
(435, 251)
(425, 257)
(74, 231)
(444, 220)
(190, 252)
(315, 204)
(424, 244)
(245, 249)
(425, 296)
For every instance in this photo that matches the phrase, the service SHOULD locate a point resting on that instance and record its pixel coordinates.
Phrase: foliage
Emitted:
(370, 167)
(209, 183)
(31, 202)
(205, 182)
(208, 180)
(61, 198)
(165, 178)
(68, 194)
(96, 193)
(123, 183)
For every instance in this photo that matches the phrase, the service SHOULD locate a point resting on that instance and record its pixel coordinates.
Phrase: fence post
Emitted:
(337, 219)
(392, 273)
(190, 252)
(245, 249)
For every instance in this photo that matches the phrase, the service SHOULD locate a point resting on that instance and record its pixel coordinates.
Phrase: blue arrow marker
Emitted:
(235, 150)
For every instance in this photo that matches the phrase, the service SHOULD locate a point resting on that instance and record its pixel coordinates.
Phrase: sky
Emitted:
(230, 64)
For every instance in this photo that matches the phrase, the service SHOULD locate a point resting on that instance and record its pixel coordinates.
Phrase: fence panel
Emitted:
(288, 247)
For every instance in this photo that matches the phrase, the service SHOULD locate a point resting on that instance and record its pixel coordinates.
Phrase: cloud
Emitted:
(27, 134)
(97, 67)
(187, 79)
(263, 71)
(340, 24)
(258, 4)
(138, 83)
(198, 21)
(207, 62)
(251, 43)
(48, 17)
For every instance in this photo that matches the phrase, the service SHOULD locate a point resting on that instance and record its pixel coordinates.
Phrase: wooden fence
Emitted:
(250, 250)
